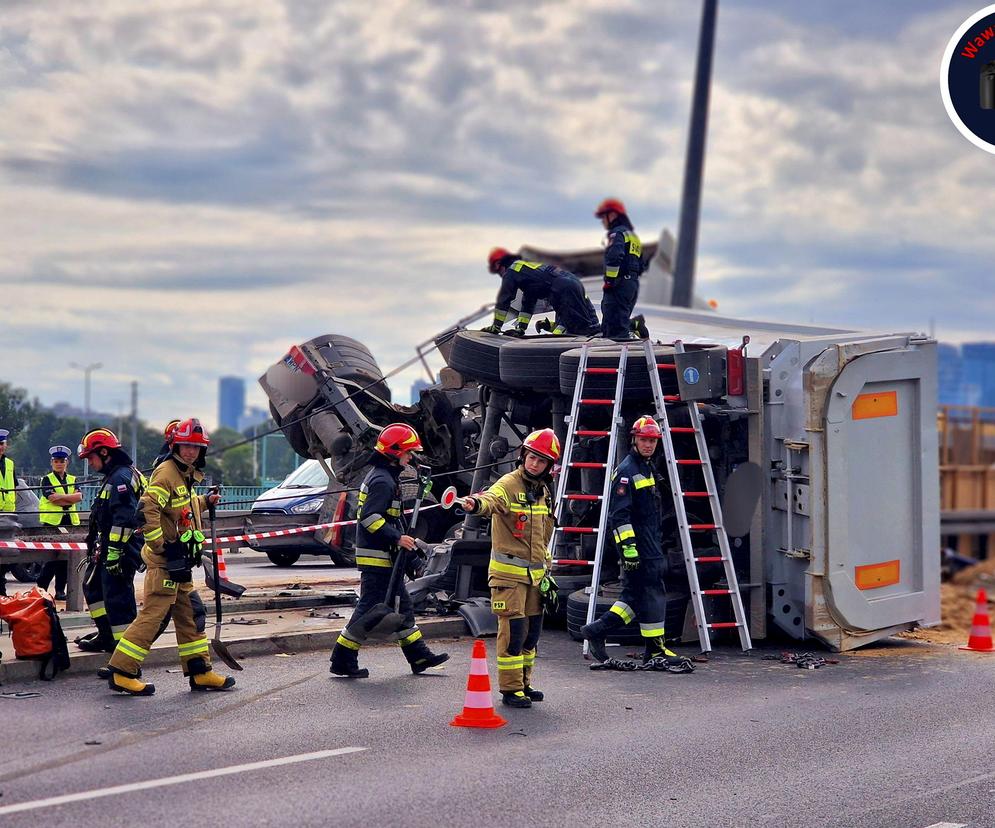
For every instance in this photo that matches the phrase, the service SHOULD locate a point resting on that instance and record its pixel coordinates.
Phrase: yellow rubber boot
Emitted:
(211, 681)
(132, 685)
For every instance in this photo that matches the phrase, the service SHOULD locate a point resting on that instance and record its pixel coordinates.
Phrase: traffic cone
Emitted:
(478, 707)
(981, 628)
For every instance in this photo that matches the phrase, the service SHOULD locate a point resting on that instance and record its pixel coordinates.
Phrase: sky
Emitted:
(188, 187)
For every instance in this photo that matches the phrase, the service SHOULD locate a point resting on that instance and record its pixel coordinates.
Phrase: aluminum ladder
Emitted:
(691, 556)
(574, 431)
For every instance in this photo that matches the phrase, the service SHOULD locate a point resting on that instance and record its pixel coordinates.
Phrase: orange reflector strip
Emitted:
(882, 404)
(875, 576)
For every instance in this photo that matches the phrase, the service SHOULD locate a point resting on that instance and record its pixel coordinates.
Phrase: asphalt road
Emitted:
(901, 736)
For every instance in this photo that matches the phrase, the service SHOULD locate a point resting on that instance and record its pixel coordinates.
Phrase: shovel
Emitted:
(217, 645)
(383, 617)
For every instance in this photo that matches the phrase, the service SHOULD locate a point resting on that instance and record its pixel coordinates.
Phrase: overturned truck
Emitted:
(843, 546)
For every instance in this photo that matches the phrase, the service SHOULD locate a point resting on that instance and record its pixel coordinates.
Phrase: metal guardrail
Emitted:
(233, 498)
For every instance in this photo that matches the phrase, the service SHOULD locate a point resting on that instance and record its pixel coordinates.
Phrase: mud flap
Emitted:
(478, 616)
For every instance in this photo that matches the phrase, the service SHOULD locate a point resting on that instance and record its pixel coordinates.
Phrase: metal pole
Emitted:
(694, 162)
(497, 404)
(134, 421)
(87, 370)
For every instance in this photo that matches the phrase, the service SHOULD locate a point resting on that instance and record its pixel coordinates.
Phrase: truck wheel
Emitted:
(342, 557)
(535, 362)
(629, 635)
(283, 558)
(637, 378)
(354, 362)
(475, 355)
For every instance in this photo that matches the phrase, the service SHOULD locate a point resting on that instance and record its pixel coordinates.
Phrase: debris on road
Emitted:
(804, 661)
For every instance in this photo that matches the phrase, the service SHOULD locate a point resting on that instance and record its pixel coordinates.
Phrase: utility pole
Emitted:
(694, 162)
(134, 420)
(87, 370)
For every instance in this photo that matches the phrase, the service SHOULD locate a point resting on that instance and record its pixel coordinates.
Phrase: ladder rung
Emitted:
(571, 562)
(695, 494)
(578, 530)
(586, 465)
(601, 370)
(689, 462)
(709, 559)
(590, 433)
(582, 497)
(682, 430)
(720, 625)
(666, 366)
(702, 527)
(671, 397)
(713, 591)
(596, 402)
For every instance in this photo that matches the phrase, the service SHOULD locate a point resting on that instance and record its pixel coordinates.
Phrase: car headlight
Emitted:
(307, 506)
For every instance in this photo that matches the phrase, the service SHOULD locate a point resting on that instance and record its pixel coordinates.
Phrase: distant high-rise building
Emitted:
(231, 401)
(950, 370)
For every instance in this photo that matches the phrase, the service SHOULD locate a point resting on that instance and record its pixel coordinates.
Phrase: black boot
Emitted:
(597, 631)
(92, 643)
(533, 694)
(516, 699)
(656, 648)
(421, 658)
(345, 662)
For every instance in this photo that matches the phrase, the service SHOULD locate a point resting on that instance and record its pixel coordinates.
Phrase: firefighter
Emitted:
(8, 495)
(634, 518)
(380, 530)
(574, 312)
(174, 536)
(58, 507)
(623, 265)
(521, 506)
(108, 581)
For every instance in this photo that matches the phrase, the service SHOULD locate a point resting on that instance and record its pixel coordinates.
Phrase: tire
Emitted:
(353, 360)
(629, 635)
(535, 362)
(283, 558)
(475, 355)
(637, 378)
(27, 573)
(343, 557)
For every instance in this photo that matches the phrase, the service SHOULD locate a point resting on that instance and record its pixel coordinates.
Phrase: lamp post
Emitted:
(87, 370)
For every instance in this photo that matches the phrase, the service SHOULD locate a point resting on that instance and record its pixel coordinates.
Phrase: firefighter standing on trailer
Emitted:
(521, 506)
(634, 519)
(114, 557)
(58, 507)
(380, 530)
(174, 537)
(623, 266)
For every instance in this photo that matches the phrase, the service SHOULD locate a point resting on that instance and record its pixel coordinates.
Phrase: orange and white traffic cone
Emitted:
(981, 628)
(478, 707)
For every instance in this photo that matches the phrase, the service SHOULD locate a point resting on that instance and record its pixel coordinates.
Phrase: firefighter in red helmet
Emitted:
(521, 508)
(381, 529)
(623, 266)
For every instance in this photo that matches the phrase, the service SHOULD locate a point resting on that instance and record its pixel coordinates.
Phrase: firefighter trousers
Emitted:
(643, 597)
(574, 312)
(110, 600)
(617, 303)
(519, 611)
(372, 591)
(162, 595)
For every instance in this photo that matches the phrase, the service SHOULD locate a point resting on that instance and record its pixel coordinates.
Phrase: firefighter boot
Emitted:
(92, 643)
(202, 677)
(420, 657)
(122, 682)
(597, 631)
(533, 694)
(345, 662)
(516, 699)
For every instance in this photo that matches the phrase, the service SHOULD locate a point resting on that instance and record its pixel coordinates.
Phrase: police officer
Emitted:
(173, 533)
(634, 518)
(564, 291)
(58, 507)
(8, 494)
(521, 505)
(623, 265)
(108, 582)
(380, 530)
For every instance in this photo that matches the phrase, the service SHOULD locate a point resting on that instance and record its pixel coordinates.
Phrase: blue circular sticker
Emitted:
(967, 79)
(691, 375)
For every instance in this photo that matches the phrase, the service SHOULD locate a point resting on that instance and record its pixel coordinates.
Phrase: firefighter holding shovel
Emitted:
(383, 538)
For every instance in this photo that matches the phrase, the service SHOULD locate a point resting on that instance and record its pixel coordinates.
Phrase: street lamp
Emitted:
(87, 370)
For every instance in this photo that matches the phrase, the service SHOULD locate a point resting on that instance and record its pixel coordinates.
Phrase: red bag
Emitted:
(35, 628)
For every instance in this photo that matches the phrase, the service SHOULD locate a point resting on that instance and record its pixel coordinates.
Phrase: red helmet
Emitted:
(646, 427)
(167, 432)
(396, 439)
(97, 439)
(189, 433)
(610, 205)
(494, 258)
(543, 443)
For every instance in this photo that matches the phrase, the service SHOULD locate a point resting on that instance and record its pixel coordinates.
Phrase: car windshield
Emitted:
(309, 475)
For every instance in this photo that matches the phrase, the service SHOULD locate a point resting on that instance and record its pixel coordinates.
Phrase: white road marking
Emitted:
(174, 780)
(948, 825)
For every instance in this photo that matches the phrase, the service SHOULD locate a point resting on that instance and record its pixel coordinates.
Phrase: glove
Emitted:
(549, 594)
(630, 558)
(544, 325)
(494, 329)
(194, 540)
(112, 563)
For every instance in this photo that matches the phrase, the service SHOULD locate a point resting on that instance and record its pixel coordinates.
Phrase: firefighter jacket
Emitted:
(379, 521)
(8, 484)
(167, 500)
(50, 513)
(634, 507)
(521, 526)
(534, 280)
(623, 253)
(114, 514)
